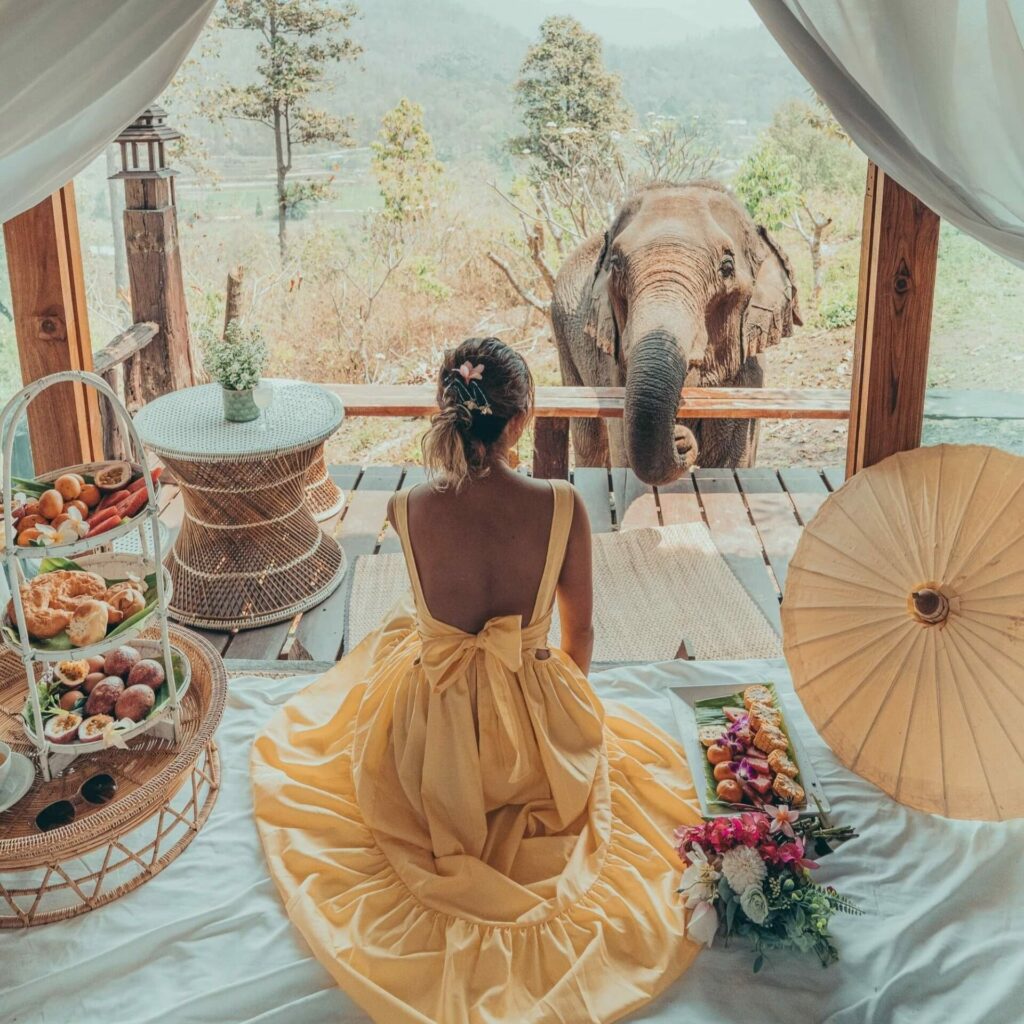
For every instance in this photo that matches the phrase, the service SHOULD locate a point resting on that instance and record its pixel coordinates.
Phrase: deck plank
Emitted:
(592, 484)
(835, 476)
(774, 518)
(636, 500)
(678, 502)
(321, 630)
(806, 489)
(736, 538)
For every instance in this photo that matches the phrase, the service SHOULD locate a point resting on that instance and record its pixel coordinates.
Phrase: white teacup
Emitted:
(5, 762)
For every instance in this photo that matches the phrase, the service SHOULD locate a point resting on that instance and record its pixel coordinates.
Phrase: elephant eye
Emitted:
(728, 265)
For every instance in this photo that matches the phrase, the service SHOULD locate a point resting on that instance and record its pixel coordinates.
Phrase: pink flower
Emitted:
(470, 372)
(793, 855)
(783, 819)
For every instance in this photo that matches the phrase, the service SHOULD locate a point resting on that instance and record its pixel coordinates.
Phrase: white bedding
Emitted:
(208, 942)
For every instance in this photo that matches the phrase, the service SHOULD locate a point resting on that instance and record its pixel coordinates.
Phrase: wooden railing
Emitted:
(556, 405)
(109, 363)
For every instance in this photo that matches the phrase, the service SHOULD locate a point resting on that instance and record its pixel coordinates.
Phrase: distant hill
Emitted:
(460, 62)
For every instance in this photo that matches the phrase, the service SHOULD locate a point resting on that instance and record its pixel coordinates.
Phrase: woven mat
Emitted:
(654, 588)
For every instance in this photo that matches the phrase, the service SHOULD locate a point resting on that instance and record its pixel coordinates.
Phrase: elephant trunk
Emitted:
(654, 378)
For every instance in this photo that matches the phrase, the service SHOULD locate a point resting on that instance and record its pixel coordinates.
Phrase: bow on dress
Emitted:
(447, 654)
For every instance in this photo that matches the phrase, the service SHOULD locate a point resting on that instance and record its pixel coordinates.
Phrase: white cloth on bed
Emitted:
(208, 942)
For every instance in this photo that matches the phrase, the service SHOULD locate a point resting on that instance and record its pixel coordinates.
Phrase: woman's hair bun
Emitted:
(482, 385)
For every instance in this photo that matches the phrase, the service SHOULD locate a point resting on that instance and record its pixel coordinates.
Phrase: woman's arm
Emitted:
(576, 590)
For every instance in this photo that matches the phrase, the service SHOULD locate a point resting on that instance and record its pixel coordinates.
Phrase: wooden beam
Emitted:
(51, 323)
(158, 290)
(608, 403)
(899, 253)
(551, 448)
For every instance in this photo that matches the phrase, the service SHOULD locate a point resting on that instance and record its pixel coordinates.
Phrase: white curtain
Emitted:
(73, 73)
(931, 90)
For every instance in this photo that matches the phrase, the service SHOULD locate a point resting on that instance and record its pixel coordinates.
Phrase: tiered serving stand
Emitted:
(150, 812)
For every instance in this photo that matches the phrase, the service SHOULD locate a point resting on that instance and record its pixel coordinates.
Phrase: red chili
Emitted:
(112, 499)
(100, 514)
(133, 505)
(140, 484)
(107, 524)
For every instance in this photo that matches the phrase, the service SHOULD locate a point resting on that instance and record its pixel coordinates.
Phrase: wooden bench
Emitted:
(556, 405)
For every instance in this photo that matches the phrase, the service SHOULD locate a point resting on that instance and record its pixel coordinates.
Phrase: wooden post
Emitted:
(551, 448)
(899, 253)
(44, 260)
(154, 261)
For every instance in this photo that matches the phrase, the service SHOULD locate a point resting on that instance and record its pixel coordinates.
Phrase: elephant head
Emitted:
(686, 288)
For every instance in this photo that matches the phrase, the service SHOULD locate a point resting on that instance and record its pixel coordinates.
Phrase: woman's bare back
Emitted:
(480, 552)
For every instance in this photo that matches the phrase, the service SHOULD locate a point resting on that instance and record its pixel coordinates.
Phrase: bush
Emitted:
(837, 311)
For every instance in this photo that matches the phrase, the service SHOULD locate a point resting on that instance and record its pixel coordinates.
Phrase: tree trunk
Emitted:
(817, 271)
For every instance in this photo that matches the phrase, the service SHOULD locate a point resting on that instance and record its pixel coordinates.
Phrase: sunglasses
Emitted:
(100, 789)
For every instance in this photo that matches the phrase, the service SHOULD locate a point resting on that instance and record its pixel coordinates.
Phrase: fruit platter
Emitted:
(65, 512)
(90, 604)
(105, 699)
(742, 752)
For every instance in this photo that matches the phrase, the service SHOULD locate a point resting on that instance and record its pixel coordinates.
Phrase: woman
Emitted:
(458, 827)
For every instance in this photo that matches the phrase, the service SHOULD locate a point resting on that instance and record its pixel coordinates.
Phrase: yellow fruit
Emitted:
(51, 504)
(69, 486)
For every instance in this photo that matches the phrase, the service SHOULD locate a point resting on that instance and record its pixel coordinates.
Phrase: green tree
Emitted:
(570, 104)
(404, 164)
(300, 40)
(801, 173)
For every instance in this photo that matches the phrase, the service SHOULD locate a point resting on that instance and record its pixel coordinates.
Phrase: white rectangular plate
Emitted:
(684, 701)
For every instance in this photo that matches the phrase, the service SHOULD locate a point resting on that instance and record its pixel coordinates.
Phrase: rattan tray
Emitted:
(164, 796)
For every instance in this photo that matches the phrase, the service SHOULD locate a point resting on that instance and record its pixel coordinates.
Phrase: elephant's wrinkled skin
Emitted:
(682, 286)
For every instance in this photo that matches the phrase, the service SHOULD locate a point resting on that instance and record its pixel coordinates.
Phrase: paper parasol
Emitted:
(903, 626)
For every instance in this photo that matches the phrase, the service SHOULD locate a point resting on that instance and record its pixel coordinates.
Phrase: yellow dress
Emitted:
(464, 834)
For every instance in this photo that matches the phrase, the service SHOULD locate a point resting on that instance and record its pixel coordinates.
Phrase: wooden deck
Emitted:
(754, 515)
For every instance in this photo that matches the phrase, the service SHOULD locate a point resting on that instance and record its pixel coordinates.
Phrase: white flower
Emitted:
(703, 924)
(743, 867)
(699, 881)
(754, 904)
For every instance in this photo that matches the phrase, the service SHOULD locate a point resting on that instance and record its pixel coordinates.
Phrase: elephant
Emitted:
(682, 288)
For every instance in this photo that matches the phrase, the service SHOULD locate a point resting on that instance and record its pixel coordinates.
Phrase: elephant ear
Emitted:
(600, 327)
(773, 306)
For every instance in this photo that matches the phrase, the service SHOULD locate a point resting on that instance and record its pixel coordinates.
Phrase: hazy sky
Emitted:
(628, 22)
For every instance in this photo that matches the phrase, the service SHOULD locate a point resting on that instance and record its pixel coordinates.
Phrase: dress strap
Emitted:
(561, 522)
(402, 527)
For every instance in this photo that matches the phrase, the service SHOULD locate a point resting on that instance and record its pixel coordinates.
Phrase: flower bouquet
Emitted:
(750, 875)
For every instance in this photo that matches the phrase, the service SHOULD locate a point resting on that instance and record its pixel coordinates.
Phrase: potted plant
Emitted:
(236, 362)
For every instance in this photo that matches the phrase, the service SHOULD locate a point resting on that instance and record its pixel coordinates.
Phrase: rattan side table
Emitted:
(249, 552)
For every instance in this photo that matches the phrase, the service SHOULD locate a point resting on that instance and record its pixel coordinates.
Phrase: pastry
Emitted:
(757, 694)
(709, 734)
(88, 624)
(780, 763)
(762, 715)
(788, 790)
(123, 604)
(771, 738)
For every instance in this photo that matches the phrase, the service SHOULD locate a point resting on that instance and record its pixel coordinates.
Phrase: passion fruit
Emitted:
(62, 728)
(135, 703)
(104, 696)
(70, 698)
(120, 661)
(96, 663)
(69, 485)
(147, 673)
(113, 476)
(71, 673)
(51, 504)
(92, 679)
(92, 728)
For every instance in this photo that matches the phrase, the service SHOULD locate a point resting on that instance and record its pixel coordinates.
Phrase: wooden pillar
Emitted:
(51, 323)
(899, 253)
(551, 448)
(154, 261)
